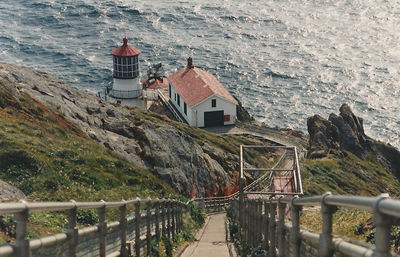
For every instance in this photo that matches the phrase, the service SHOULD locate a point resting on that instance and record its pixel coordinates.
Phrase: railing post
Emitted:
(266, 224)
(173, 216)
(157, 219)
(326, 247)
(383, 224)
(177, 206)
(137, 227)
(272, 232)
(179, 210)
(123, 224)
(241, 208)
(241, 197)
(260, 222)
(246, 219)
(281, 228)
(250, 221)
(168, 206)
(295, 239)
(21, 231)
(72, 231)
(102, 230)
(163, 217)
(148, 226)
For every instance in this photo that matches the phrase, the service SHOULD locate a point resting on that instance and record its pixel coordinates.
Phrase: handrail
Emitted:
(164, 99)
(258, 211)
(162, 217)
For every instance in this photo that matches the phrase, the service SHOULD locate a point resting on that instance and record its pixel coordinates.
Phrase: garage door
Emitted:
(212, 119)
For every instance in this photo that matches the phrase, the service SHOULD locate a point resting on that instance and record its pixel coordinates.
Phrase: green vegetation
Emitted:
(192, 221)
(48, 158)
(350, 223)
(345, 173)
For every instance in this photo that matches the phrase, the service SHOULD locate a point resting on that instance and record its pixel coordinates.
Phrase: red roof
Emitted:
(155, 84)
(195, 85)
(125, 50)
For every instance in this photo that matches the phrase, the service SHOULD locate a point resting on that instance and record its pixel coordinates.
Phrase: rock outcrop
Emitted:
(192, 169)
(346, 132)
(9, 192)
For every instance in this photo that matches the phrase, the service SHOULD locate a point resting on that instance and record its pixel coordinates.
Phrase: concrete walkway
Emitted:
(212, 241)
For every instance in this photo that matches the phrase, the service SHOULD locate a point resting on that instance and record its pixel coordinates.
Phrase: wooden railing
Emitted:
(262, 223)
(170, 106)
(131, 235)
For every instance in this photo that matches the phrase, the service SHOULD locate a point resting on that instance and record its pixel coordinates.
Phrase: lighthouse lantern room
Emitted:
(126, 72)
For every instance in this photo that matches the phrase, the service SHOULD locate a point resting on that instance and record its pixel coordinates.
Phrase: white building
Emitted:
(200, 98)
(126, 72)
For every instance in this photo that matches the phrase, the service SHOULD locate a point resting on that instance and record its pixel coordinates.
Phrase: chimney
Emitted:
(190, 63)
(125, 41)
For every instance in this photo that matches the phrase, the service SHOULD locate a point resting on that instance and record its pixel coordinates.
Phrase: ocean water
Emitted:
(284, 59)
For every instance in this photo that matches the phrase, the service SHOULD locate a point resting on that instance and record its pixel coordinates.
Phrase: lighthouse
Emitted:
(126, 72)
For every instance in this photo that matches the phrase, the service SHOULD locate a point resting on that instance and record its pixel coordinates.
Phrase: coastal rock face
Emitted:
(192, 169)
(346, 132)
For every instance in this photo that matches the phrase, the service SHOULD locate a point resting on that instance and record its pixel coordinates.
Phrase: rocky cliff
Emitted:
(192, 161)
(346, 132)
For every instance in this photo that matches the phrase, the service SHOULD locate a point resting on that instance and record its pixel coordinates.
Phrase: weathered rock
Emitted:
(346, 132)
(10, 193)
(323, 136)
(182, 161)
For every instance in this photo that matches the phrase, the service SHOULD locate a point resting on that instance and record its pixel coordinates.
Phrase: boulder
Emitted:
(344, 131)
(10, 193)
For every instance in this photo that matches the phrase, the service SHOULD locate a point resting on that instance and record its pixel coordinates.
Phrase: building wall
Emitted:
(126, 88)
(229, 108)
(195, 115)
(127, 84)
(174, 99)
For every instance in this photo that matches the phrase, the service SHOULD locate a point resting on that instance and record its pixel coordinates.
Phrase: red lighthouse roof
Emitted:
(125, 50)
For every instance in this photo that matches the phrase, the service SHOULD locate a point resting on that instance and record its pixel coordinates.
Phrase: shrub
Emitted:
(197, 213)
(87, 217)
(168, 246)
(155, 248)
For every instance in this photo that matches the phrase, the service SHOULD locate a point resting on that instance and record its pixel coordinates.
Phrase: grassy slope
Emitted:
(48, 158)
(345, 173)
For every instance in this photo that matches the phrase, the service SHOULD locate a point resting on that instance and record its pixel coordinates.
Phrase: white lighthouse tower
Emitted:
(126, 72)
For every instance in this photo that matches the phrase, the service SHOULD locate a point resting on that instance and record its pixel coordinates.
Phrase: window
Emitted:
(179, 100)
(175, 97)
(214, 103)
(126, 67)
(169, 85)
(184, 108)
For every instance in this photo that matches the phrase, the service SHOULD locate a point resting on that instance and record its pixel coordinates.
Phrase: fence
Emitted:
(262, 222)
(130, 236)
(213, 204)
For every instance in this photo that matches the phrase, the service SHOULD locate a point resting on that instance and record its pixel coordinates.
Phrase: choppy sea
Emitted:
(284, 59)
